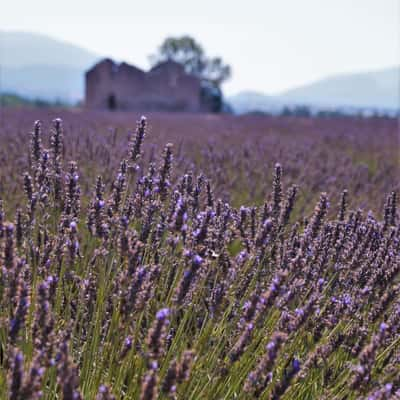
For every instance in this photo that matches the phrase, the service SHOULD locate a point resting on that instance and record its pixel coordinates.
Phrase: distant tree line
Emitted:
(14, 100)
(304, 111)
(308, 112)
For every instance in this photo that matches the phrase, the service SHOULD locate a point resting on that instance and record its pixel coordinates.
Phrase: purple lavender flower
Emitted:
(163, 314)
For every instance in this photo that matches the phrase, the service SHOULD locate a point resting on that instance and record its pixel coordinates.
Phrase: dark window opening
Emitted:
(112, 102)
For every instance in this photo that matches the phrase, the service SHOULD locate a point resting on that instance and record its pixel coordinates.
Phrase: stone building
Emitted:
(166, 87)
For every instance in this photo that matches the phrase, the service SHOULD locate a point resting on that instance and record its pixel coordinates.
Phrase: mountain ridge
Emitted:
(20, 48)
(372, 89)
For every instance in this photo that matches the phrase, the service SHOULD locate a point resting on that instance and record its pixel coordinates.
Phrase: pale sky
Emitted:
(271, 45)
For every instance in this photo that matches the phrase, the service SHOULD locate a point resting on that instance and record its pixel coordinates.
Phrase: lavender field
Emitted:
(198, 257)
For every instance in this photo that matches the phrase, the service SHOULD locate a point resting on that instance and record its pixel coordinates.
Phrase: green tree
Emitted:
(186, 51)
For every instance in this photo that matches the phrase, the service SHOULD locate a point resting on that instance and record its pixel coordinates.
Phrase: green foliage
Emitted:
(186, 51)
(14, 100)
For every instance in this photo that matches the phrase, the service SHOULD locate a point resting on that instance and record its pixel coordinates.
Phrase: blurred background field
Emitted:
(237, 153)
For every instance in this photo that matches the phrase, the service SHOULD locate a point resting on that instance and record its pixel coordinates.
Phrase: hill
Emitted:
(377, 89)
(20, 49)
(37, 66)
(369, 89)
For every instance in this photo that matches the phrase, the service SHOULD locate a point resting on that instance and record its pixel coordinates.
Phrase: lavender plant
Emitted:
(150, 284)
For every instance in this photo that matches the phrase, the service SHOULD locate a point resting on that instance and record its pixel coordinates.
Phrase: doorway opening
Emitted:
(112, 102)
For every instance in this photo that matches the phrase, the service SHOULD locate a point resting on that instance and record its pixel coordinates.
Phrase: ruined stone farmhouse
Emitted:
(166, 87)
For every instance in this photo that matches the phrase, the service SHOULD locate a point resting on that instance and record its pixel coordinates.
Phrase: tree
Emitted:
(186, 51)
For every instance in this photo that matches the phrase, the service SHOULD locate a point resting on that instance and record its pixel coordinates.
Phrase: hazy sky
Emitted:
(271, 44)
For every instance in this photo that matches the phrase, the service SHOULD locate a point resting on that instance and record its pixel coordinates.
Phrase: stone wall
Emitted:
(166, 87)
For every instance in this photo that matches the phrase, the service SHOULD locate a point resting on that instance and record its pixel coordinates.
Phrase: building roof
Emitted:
(166, 65)
(115, 66)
